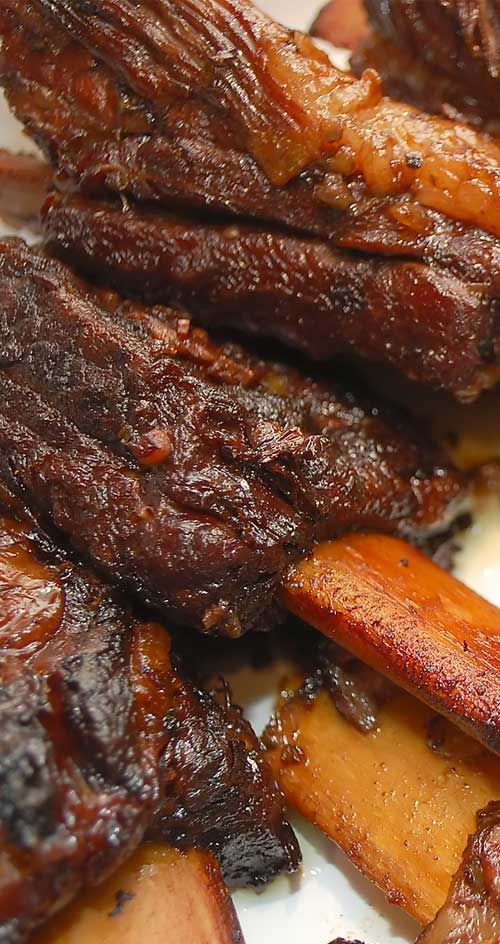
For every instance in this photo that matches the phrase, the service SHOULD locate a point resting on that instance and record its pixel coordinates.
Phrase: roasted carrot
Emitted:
(395, 609)
(159, 895)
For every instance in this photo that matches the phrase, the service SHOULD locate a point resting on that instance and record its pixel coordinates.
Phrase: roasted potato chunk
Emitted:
(400, 800)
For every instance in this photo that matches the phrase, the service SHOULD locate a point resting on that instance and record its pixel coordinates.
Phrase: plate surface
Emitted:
(329, 898)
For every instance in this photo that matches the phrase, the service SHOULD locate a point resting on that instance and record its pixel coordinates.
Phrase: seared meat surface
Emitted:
(471, 914)
(254, 122)
(457, 35)
(442, 56)
(434, 323)
(125, 67)
(190, 473)
(102, 743)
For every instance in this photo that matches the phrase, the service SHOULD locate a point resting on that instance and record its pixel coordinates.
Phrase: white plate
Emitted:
(328, 898)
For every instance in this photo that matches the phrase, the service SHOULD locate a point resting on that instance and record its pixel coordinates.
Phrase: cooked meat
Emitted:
(449, 34)
(217, 792)
(102, 742)
(442, 55)
(471, 914)
(190, 473)
(434, 323)
(411, 79)
(149, 57)
(356, 690)
(119, 110)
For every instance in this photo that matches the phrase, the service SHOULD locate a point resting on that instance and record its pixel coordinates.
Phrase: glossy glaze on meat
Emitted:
(457, 34)
(442, 56)
(118, 112)
(410, 79)
(102, 743)
(190, 473)
(471, 914)
(434, 323)
(301, 109)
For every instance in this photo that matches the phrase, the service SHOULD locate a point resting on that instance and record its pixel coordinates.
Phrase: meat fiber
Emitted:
(123, 66)
(190, 473)
(436, 324)
(442, 56)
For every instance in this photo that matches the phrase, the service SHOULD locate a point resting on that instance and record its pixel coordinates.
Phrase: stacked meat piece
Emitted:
(204, 106)
(104, 743)
(190, 473)
(442, 56)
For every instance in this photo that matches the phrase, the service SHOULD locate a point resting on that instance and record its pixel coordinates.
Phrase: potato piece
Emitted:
(401, 809)
(404, 616)
(159, 895)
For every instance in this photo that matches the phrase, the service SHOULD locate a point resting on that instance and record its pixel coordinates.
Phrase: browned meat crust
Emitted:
(434, 323)
(440, 55)
(191, 473)
(301, 109)
(102, 742)
(309, 148)
(471, 914)
(451, 34)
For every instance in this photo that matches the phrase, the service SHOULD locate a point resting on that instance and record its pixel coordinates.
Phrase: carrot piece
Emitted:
(159, 895)
(399, 612)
